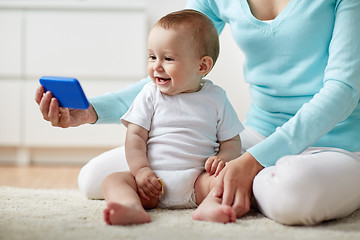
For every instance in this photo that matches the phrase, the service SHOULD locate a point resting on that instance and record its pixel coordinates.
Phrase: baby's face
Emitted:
(173, 64)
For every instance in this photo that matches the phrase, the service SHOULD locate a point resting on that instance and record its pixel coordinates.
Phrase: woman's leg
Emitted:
(94, 172)
(319, 184)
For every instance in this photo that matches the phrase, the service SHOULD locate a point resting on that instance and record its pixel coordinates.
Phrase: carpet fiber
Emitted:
(66, 214)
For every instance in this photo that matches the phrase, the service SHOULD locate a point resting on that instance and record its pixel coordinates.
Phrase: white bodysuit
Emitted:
(184, 130)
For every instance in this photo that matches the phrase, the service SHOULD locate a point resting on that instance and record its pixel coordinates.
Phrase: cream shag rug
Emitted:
(66, 214)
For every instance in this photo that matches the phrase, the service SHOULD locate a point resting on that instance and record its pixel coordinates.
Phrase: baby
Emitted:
(181, 129)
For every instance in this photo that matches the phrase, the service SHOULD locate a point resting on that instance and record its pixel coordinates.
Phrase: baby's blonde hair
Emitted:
(199, 27)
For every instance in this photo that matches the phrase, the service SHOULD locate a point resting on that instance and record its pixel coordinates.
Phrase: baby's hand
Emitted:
(214, 165)
(147, 183)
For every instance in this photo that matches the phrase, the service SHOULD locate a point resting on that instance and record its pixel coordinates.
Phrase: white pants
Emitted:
(317, 185)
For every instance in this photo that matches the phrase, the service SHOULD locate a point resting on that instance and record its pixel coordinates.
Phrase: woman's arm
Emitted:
(107, 108)
(111, 107)
(209, 9)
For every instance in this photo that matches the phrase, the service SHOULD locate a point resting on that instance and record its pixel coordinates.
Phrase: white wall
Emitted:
(159, 8)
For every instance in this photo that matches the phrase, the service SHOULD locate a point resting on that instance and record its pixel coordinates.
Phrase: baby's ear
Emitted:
(206, 64)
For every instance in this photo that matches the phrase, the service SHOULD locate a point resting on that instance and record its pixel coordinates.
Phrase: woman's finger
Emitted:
(219, 185)
(39, 94)
(54, 111)
(230, 186)
(64, 118)
(45, 105)
(241, 203)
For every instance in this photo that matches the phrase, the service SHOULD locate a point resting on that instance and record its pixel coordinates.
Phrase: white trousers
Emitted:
(317, 185)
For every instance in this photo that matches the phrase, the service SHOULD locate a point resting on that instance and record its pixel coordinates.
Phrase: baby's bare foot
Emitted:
(117, 214)
(214, 213)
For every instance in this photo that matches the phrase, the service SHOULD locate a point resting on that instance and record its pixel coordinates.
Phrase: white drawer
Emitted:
(12, 111)
(10, 43)
(105, 44)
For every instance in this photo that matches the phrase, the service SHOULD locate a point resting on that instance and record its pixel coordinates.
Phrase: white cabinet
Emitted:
(92, 44)
(102, 43)
(10, 43)
(11, 112)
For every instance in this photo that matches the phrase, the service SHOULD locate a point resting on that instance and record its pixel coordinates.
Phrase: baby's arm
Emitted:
(136, 149)
(228, 150)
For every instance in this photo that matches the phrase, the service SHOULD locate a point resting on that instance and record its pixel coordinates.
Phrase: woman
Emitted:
(301, 160)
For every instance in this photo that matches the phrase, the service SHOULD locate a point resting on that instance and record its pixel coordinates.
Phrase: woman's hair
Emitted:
(199, 27)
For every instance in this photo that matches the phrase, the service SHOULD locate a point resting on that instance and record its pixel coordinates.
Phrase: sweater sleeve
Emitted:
(210, 10)
(333, 103)
(111, 106)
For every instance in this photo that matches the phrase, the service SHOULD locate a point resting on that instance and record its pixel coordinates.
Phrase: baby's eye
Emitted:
(152, 57)
(169, 59)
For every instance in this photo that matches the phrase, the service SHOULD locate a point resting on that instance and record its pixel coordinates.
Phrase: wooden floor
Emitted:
(39, 176)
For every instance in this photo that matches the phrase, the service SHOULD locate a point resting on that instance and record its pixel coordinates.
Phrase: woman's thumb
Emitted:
(219, 185)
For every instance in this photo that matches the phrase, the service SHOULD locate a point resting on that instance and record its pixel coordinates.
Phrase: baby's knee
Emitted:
(119, 178)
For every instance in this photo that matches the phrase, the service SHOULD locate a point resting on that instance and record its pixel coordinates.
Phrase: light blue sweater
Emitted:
(303, 69)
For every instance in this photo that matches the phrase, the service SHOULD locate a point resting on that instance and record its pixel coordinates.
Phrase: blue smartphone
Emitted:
(68, 91)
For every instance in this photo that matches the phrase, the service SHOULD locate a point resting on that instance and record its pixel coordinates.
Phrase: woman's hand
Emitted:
(148, 184)
(234, 183)
(214, 165)
(62, 117)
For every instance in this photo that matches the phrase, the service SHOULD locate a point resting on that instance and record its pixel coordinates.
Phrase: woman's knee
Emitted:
(89, 185)
(94, 172)
(308, 189)
(289, 195)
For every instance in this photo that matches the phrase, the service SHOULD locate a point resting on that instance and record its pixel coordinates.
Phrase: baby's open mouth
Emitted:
(162, 81)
